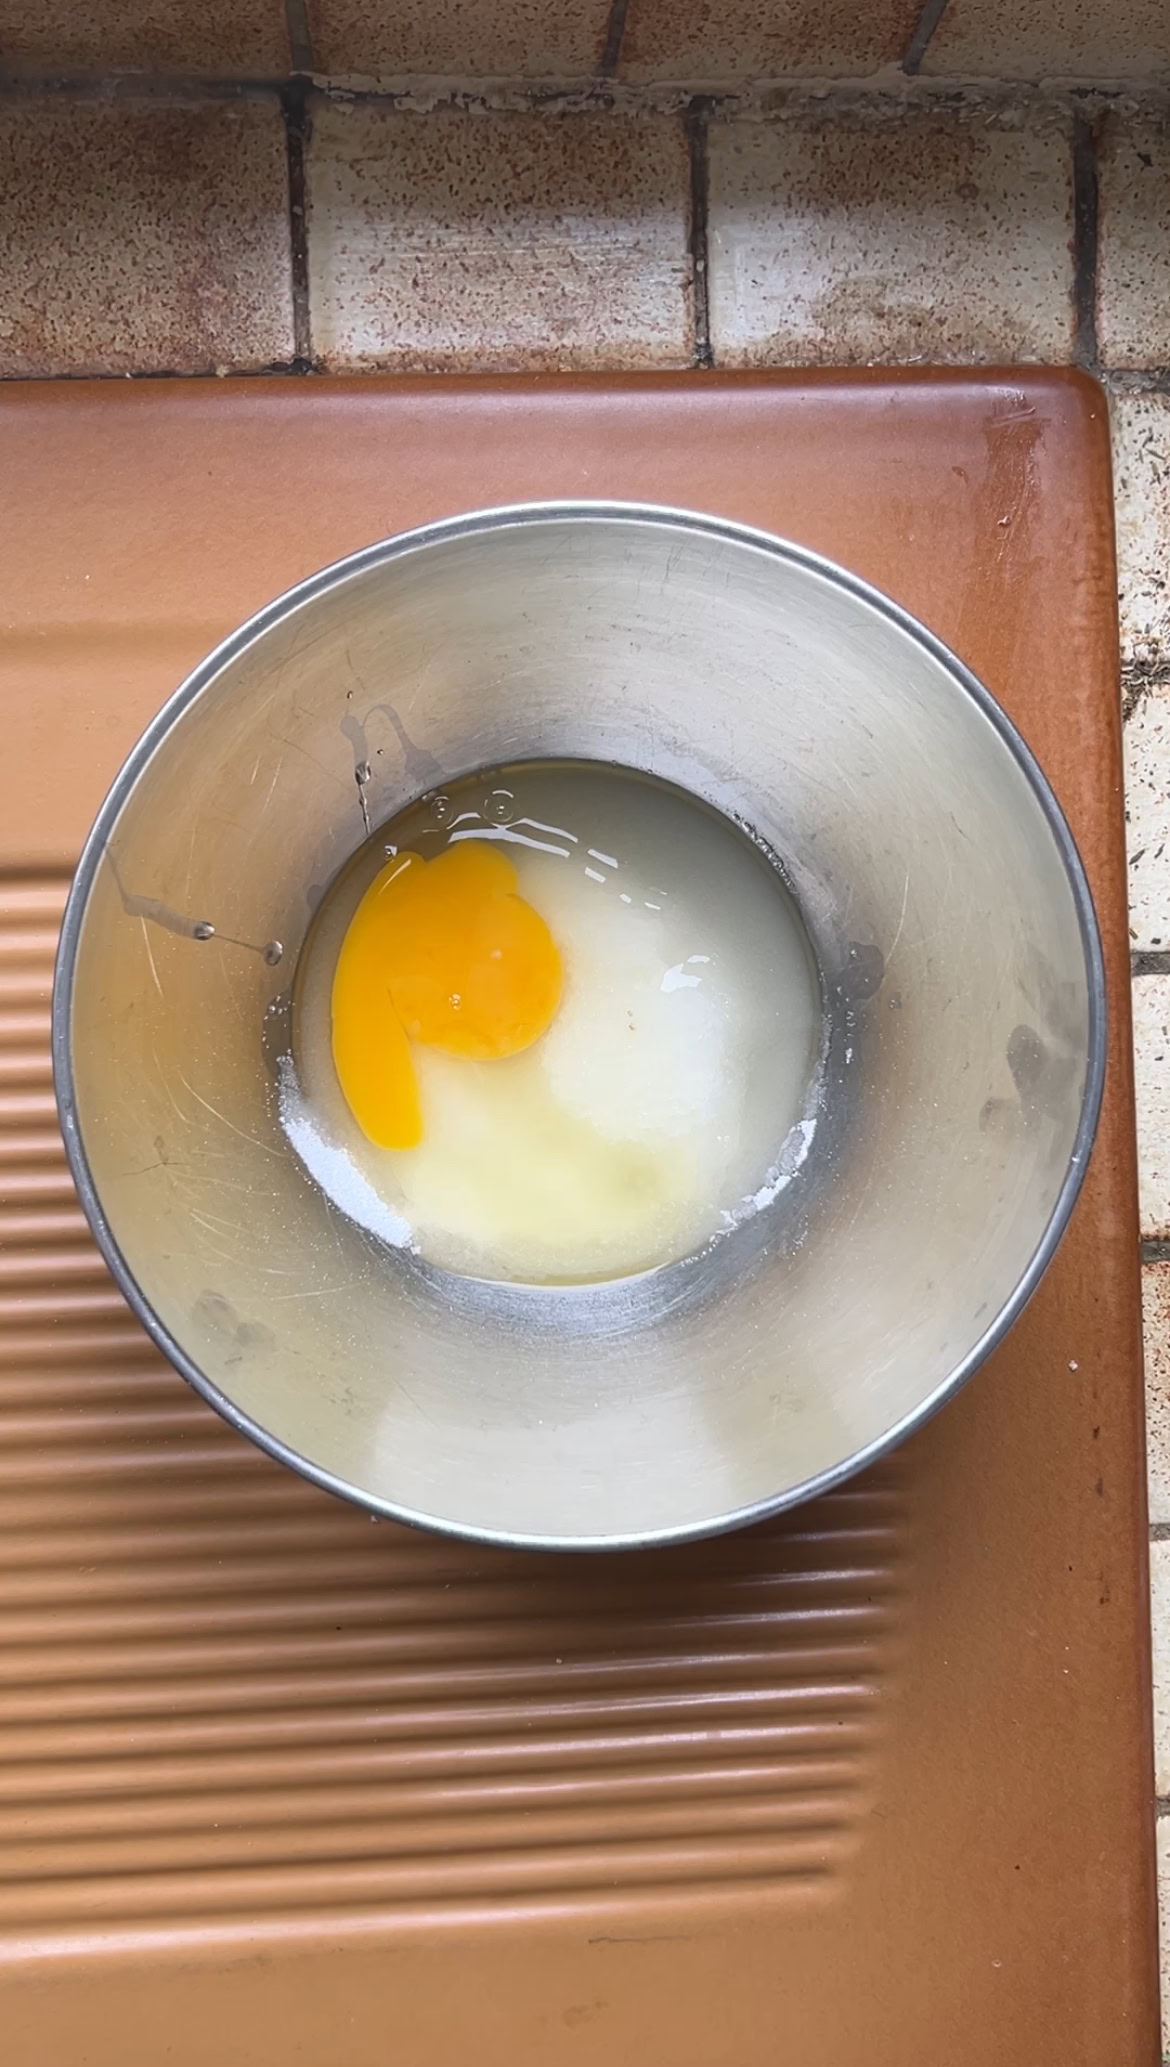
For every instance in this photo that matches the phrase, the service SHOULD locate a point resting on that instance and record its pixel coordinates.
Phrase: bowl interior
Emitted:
(958, 958)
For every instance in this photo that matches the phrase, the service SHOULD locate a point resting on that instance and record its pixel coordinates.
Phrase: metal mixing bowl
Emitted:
(962, 981)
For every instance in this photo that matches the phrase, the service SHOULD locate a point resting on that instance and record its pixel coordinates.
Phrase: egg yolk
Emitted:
(443, 952)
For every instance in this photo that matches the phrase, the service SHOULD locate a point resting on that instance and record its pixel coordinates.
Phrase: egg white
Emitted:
(650, 1112)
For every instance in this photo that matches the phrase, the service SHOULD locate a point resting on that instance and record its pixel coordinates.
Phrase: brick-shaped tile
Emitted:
(1133, 255)
(143, 238)
(1163, 1841)
(1051, 39)
(893, 238)
(555, 40)
(219, 39)
(1160, 1619)
(1147, 813)
(729, 42)
(1151, 1046)
(461, 241)
(1156, 1333)
(1140, 427)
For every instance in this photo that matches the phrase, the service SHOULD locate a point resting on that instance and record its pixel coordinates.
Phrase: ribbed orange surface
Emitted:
(281, 1785)
(227, 1695)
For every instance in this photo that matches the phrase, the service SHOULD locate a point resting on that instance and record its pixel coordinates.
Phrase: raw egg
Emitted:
(559, 1023)
(444, 952)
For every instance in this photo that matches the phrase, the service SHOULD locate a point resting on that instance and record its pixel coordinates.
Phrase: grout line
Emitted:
(1132, 380)
(1156, 1252)
(615, 29)
(1150, 961)
(1159, 1533)
(1134, 691)
(1137, 683)
(300, 41)
(276, 369)
(1086, 203)
(116, 87)
(920, 35)
(891, 94)
(297, 130)
(695, 124)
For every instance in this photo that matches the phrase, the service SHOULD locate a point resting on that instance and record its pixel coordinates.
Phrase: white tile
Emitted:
(1164, 1925)
(472, 241)
(143, 237)
(1156, 1332)
(1098, 40)
(1133, 256)
(920, 236)
(221, 39)
(1160, 1630)
(693, 43)
(1147, 811)
(1141, 488)
(1151, 1042)
(459, 39)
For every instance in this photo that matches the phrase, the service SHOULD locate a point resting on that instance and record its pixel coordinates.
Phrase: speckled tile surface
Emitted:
(1151, 1033)
(1164, 1918)
(1133, 292)
(904, 240)
(702, 43)
(483, 39)
(1141, 486)
(221, 39)
(469, 241)
(1051, 39)
(150, 238)
(1156, 1318)
(1147, 807)
(1160, 1619)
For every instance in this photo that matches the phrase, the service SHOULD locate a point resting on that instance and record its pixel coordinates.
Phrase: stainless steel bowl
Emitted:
(964, 1000)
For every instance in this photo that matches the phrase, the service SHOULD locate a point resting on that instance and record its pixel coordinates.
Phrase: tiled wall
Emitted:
(695, 43)
(638, 183)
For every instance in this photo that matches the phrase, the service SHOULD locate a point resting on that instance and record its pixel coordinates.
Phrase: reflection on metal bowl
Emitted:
(959, 964)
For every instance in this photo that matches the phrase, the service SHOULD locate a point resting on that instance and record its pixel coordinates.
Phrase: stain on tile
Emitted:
(699, 43)
(1140, 425)
(917, 236)
(1156, 1331)
(459, 39)
(1147, 812)
(1133, 265)
(148, 238)
(463, 240)
(1151, 1048)
(221, 39)
(1051, 39)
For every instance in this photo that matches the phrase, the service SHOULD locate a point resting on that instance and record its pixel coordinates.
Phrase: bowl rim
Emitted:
(468, 524)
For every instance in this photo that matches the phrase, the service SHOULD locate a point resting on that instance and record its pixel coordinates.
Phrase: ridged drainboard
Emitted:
(226, 1695)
